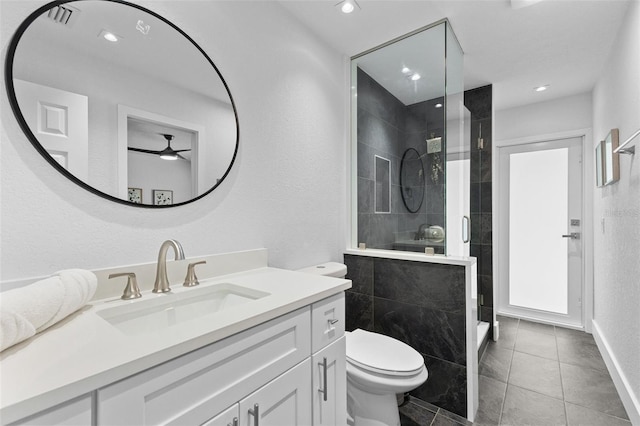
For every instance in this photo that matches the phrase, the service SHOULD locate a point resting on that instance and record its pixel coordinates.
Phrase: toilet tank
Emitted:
(329, 269)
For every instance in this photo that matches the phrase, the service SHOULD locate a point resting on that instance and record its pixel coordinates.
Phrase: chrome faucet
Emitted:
(162, 282)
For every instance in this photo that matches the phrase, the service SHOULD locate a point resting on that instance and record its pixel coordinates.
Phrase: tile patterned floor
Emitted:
(535, 374)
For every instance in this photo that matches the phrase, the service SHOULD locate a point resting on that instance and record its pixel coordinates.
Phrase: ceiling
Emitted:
(515, 47)
(162, 54)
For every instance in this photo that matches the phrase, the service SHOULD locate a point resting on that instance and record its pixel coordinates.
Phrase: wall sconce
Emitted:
(631, 150)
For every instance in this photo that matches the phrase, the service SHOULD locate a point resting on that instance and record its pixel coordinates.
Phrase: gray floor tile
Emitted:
(582, 416)
(442, 420)
(507, 338)
(536, 343)
(491, 393)
(537, 374)
(591, 388)
(507, 322)
(523, 407)
(456, 418)
(579, 352)
(495, 362)
(575, 335)
(536, 326)
(414, 415)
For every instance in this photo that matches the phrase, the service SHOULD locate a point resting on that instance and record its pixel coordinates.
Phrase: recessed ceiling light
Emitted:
(438, 105)
(415, 77)
(348, 6)
(541, 88)
(405, 70)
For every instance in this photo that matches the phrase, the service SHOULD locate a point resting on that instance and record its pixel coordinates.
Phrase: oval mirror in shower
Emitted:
(122, 102)
(412, 180)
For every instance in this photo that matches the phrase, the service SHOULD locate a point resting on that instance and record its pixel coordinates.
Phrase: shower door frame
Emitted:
(500, 256)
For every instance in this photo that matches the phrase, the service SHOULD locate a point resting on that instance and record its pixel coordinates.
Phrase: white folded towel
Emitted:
(28, 310)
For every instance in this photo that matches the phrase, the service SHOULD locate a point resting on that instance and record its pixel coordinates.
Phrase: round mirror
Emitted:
(122, 102)
(412, 180)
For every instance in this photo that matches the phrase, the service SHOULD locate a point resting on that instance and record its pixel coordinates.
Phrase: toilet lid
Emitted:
(383, 353)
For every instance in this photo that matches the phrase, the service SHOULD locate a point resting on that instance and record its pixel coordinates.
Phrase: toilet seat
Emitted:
(377, 353)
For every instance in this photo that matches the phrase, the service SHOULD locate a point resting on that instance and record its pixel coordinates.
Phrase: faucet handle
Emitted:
(131, 291)
(191, 280)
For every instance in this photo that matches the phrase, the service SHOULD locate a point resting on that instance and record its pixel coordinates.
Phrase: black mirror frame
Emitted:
(407, 151)
(8, 76)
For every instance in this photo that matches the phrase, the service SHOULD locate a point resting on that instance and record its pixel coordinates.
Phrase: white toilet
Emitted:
(378, 368)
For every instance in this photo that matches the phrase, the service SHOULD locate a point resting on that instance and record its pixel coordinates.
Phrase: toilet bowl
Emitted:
(378, 368)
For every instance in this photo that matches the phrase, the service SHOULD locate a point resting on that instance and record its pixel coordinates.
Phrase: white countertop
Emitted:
(84, 352)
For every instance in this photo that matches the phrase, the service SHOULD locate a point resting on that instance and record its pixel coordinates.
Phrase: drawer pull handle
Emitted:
(255, 412)
(235, 422)
(333, 321)
(324, 390)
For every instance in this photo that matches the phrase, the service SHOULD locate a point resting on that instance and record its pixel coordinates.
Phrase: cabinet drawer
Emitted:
(327, 321)
(74, 412)
(192, 388)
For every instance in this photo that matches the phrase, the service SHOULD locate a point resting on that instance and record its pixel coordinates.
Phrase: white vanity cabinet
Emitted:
(266, 375)
(229, 417)
(77, 412)
(330, 385)
(283, 401)
(329, 362)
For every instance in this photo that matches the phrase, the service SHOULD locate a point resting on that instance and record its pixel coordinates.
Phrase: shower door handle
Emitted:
(466, 234)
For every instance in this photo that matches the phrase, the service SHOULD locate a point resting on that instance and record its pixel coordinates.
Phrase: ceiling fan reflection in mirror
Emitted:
(166, 154)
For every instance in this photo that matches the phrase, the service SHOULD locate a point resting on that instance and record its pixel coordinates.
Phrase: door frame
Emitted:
(587, 215)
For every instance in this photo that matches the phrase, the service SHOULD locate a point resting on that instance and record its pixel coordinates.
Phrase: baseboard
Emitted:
(629, 400)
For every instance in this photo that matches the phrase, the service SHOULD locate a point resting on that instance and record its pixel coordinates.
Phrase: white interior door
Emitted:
(60, 121)
(540, 245)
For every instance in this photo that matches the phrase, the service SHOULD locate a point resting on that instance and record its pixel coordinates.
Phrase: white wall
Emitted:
(543, 118)
(286, 192)
(616, 104)
(101, 83)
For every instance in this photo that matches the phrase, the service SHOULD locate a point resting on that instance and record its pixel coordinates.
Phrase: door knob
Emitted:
(573, 236)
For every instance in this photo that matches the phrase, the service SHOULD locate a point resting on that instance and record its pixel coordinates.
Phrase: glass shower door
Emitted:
(458, 149)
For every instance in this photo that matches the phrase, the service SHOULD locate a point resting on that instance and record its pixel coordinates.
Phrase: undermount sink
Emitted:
(170, 309)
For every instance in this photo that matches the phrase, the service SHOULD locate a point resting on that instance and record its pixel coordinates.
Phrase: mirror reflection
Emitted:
(123, 101)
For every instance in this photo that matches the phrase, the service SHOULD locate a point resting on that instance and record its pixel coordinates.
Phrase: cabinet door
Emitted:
(283, 401)
(229, 417)
(190, 389)
(330, 385)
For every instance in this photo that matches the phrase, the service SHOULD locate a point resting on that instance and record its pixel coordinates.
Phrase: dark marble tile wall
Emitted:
(380, 121)
(421, 304)
(479, 103)
(386, 127)
(423, 121)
